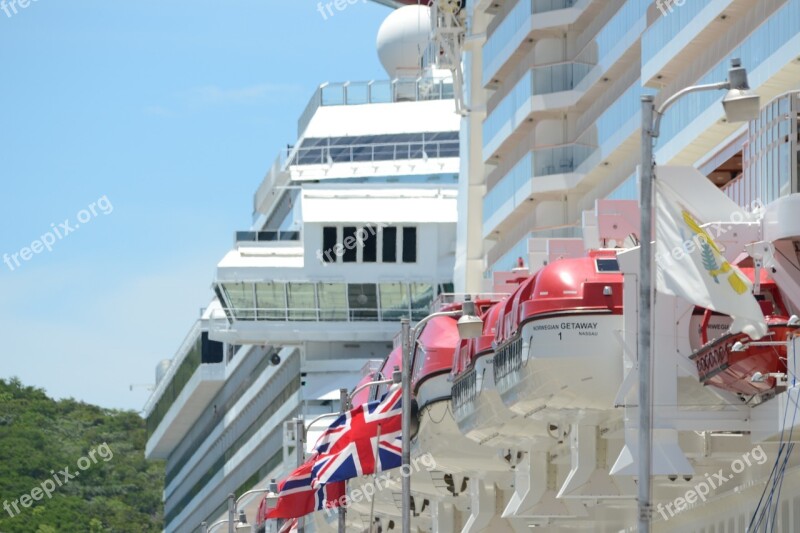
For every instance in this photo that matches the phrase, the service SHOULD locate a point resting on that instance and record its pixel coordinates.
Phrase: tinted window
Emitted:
(350, 244)
(370, 246)
(328, 242)
(409, 245)
(389, 245)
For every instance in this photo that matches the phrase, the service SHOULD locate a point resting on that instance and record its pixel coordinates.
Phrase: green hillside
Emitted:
(88, 459)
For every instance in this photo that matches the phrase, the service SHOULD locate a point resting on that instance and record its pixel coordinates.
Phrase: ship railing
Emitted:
(374, 92)
(448, 298)
(221, 319)
(267, 236)
(374, 152)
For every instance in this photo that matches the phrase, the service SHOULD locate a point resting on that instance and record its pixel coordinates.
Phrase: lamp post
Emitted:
(740, 104)
(469, 327)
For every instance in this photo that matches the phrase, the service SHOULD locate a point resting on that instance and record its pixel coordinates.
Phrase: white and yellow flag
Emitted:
(689, 262)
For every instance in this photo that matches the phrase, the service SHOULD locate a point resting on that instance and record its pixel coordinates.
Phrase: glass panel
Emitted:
(302, 303)
(350, 244)
(389, 245)
(369, 251)
(421, 298)
(363, 301)
(240, 297)
(271, 300)
(332, 301)
(409, 245)
(394, 301)
(328, 242)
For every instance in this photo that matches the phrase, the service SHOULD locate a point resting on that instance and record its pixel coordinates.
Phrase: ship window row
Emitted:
(204, 351)
(231, 450)
(367, 148)
(361, 244)
(198, 440)
(343, 302)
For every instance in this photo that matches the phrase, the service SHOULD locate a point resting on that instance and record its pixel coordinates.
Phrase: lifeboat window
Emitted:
(409, 245)
(389, 247)
(350, 254)
(607, 264)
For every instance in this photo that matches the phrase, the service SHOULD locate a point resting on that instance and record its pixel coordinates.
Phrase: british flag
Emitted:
(347, 449)
(297, 497)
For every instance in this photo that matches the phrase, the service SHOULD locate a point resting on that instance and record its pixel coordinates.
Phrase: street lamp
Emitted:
(740, 104)
(469, 326)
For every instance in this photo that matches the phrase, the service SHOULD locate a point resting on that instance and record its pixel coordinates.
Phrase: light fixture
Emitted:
(242, 525)
(738, 346)
(272, 496)
(470, 326)
(740, 103)
(794, 320)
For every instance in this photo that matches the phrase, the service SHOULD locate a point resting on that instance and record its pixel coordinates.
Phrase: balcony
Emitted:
(374, 92)
(541, 171)
(546, 87)
(277, 311)
(517, 26)
(195, 376)
(675, 34)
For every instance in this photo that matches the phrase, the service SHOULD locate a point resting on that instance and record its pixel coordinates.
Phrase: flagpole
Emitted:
(405, 335)
(374, 475)
(300, 452)
(740, 104)
(645, 316)
(344, 405)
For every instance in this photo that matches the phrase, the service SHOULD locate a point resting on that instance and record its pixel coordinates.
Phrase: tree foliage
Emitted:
(39, 437)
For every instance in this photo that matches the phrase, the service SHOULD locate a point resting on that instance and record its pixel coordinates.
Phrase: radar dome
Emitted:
(403, 38)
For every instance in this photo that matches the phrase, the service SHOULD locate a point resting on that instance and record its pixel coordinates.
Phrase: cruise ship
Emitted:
(354, 227)
(500, 162)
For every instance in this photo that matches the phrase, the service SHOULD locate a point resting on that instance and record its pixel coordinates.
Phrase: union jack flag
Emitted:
(347, 449)
(297, 497)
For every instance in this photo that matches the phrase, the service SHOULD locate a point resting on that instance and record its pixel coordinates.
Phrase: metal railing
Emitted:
(374, 92)
(221, 319)
(267, 236)
(365, 153)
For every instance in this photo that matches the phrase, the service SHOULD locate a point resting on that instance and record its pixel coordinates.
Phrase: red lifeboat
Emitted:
(433, 358)
(470, 369)
(730, 361)
(558, 343)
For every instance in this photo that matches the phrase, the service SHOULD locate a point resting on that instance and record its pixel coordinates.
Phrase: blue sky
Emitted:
(172, 111)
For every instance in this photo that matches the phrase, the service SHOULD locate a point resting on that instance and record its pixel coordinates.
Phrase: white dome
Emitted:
(402, 39)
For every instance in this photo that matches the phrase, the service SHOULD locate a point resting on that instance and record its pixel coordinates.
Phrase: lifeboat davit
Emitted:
(558, 339)
(735, 363)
